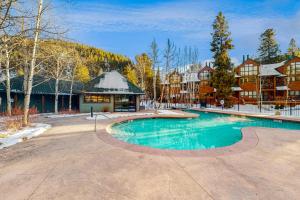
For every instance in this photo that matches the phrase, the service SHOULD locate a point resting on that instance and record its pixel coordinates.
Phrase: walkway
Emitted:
(70, 162)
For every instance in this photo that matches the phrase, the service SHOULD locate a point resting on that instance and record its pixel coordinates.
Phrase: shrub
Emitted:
(67, 111)
(105, 109)
(13, 124)
(17, 111)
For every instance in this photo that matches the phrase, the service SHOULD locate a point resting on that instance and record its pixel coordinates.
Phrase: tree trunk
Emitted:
(28, 89)
(8, 98)
(154, 89)
(71, 94)
(56, 96)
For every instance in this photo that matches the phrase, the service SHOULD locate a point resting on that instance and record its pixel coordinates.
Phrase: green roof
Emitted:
(107, 83)
(42, 85)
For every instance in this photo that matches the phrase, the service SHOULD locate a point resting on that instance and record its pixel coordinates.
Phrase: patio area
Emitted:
(71, 161)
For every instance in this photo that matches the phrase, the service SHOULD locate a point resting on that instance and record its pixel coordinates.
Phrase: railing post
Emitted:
(92, 113)
(291, 113)
(239, 103)
(95, 123)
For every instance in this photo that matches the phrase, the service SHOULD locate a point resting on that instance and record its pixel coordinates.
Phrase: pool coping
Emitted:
(249, 140)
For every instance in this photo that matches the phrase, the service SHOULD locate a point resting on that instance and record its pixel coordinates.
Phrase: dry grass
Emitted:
(13, 124)
(66, 111)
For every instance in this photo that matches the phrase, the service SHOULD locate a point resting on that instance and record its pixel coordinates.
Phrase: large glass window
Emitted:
(248, 70)
(204, 76)
(294, 93)
(93, 98)
(125, 103)
(249, 94)
(293, 71)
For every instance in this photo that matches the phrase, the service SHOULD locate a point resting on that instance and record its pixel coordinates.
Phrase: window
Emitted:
(248, 70)
(91, 98)
(249, 94)
(204, 76)
(294, 93)
(248, 80)
(293, 71)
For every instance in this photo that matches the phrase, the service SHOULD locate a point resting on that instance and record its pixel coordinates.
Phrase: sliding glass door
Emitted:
(125, 103)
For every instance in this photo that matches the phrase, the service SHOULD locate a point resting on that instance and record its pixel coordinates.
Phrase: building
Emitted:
(275, 82)
(109, 92)
(42, 96)
(206, 91)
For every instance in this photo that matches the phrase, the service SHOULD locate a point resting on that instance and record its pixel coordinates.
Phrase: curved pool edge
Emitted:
(249, 140)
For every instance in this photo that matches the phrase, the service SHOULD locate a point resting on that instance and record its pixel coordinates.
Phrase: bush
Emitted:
(277, 112)
(105, 109)
(277, 107)
(67, 111)
(13, 124)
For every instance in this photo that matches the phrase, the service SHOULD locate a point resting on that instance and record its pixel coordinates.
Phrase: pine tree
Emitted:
(293, 49)
(223, 77)
(269, 49)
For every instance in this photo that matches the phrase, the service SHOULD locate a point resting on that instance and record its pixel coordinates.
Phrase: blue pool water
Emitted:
(209, 130)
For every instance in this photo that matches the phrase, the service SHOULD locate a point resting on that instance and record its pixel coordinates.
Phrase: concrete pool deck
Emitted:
(70, 161)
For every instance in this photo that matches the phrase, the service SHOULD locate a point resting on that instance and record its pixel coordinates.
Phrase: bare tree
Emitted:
(57, 66)
(73, 63)
(11, 33)
(155, 61)
(30, 72)
(169, 54)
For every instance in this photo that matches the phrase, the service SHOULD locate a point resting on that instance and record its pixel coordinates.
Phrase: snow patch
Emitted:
(27, 133)
(103, 116)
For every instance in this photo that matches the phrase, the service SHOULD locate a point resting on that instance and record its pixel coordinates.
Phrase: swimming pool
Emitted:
(209, 130)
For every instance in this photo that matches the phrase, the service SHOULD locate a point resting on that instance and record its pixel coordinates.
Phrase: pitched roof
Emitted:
(42, 85)
(270, 69)
(111, 83)
(206, 68)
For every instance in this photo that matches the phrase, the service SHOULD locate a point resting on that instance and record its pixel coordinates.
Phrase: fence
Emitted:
(288, 108)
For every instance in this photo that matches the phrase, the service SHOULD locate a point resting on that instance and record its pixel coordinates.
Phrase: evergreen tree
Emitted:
(293, 49)
(223, 77)
(269, 49)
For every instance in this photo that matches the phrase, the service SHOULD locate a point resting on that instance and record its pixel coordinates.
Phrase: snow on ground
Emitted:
(266, 110)
(54, 116)
(168, 112)
(115, 115)
(26, 133)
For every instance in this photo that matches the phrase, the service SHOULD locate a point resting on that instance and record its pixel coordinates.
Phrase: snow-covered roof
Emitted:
(113, 80)
(270, 69)
(190, 77)
(236, 89)
(111, 83)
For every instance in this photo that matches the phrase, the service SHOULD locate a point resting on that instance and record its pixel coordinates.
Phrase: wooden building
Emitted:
(109, 92)
(275, 82)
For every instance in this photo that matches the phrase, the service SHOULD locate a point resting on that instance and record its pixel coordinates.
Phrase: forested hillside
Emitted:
(94, 59)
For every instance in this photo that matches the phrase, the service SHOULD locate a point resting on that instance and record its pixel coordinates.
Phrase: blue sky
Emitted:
(128, 27)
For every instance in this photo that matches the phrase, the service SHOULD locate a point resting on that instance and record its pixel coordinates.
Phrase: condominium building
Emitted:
(254, 82)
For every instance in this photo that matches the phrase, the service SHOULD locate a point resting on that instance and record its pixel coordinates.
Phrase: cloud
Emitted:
(189, 20)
